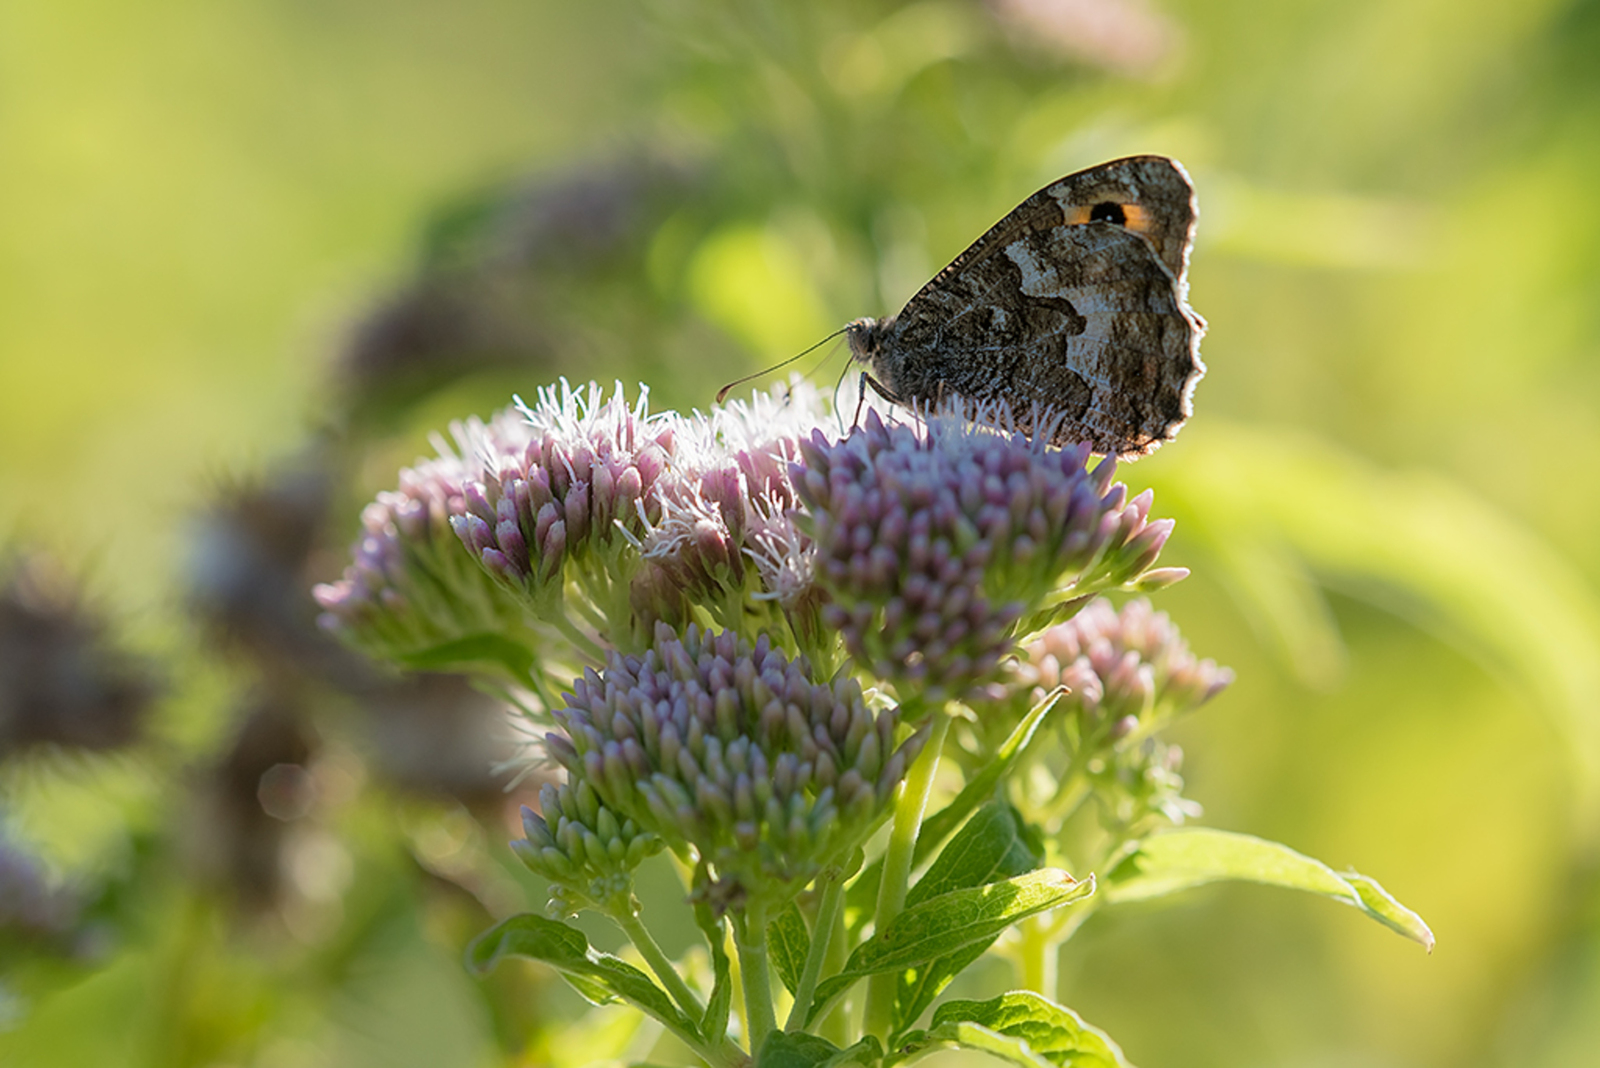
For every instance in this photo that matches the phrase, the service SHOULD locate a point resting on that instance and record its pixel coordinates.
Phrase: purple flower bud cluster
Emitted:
(933, 543)
(589, 477)
(583, 848)
(725, 533)
(1130, 667)
(733, 754)
(409, 588)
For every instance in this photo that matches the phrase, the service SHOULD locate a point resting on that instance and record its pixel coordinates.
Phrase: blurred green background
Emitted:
(250, 247)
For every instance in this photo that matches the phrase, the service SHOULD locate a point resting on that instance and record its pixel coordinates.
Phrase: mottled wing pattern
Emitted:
(1073, 301)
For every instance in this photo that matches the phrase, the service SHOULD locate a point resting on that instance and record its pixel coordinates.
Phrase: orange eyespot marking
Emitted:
(1132, 216)
(1137, 219)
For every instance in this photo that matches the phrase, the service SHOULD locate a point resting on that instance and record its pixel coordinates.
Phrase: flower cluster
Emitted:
(409, 588)
(736, 756)
(726, 539)
(585, 849)
(1131, 669)
(933, 544)
(588, 478)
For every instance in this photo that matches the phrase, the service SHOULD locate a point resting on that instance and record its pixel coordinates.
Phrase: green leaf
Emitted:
(788, 944)
(720, 1004)
(1381, 906)
(945, 924)
(1193, 856)
(978, 1037)
(865, 1052)
(917, 987)
(1045, 1029)
(992, 846)
(600, 977)
(515, 658)
(795, 1049)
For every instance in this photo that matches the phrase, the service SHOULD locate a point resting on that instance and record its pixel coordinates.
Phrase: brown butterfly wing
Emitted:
(1086, 318)
(1156, 188)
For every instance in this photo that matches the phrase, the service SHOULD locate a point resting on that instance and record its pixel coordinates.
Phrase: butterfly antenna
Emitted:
(723, 392)
(837, 386)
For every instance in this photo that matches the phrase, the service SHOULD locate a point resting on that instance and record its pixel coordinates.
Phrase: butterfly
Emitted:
(1072, 309)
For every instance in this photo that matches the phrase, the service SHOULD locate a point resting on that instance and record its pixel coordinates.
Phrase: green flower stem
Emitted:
(581, 641)
(750, 938)
(627, 918)
(1037, 955)
(1074, 787)
(897, 859)
(835, 1022)
(828, 911)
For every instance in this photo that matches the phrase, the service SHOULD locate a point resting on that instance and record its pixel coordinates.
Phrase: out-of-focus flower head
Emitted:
(585, 849)
(1128, 37)
(248, 553)
(938, 545)
(736, 757)
(1139, 788)
(1129, 669)
(32, 910)
(63, 681)
(410, 590)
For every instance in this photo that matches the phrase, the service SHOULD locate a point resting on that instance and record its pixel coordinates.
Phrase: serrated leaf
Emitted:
(945, 924)
(978, 1037)
(1048, 1030)
(1193, 856)
(795, 1049)
(917, 987)
(589, 971)
(990, 847)
(789, 944)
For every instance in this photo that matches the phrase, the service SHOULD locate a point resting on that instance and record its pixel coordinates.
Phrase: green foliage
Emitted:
(1386, 494)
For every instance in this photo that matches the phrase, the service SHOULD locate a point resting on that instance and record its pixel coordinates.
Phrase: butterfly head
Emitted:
(864, 337)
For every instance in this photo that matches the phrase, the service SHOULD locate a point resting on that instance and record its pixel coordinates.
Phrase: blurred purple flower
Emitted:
(63, 681)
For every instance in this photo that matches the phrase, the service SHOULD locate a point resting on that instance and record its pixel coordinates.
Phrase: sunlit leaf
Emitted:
(600, 977)
(947, 923)
(1051, 1031)
(1193, 856)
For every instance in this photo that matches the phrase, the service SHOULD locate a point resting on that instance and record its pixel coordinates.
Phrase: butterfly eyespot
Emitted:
(1108, 211)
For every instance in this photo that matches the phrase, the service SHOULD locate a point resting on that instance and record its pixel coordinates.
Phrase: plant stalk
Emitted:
(897, 867)
(821, 938)
(750, 938)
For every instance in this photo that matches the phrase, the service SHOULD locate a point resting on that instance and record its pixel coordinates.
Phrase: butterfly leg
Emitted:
(877, 387)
